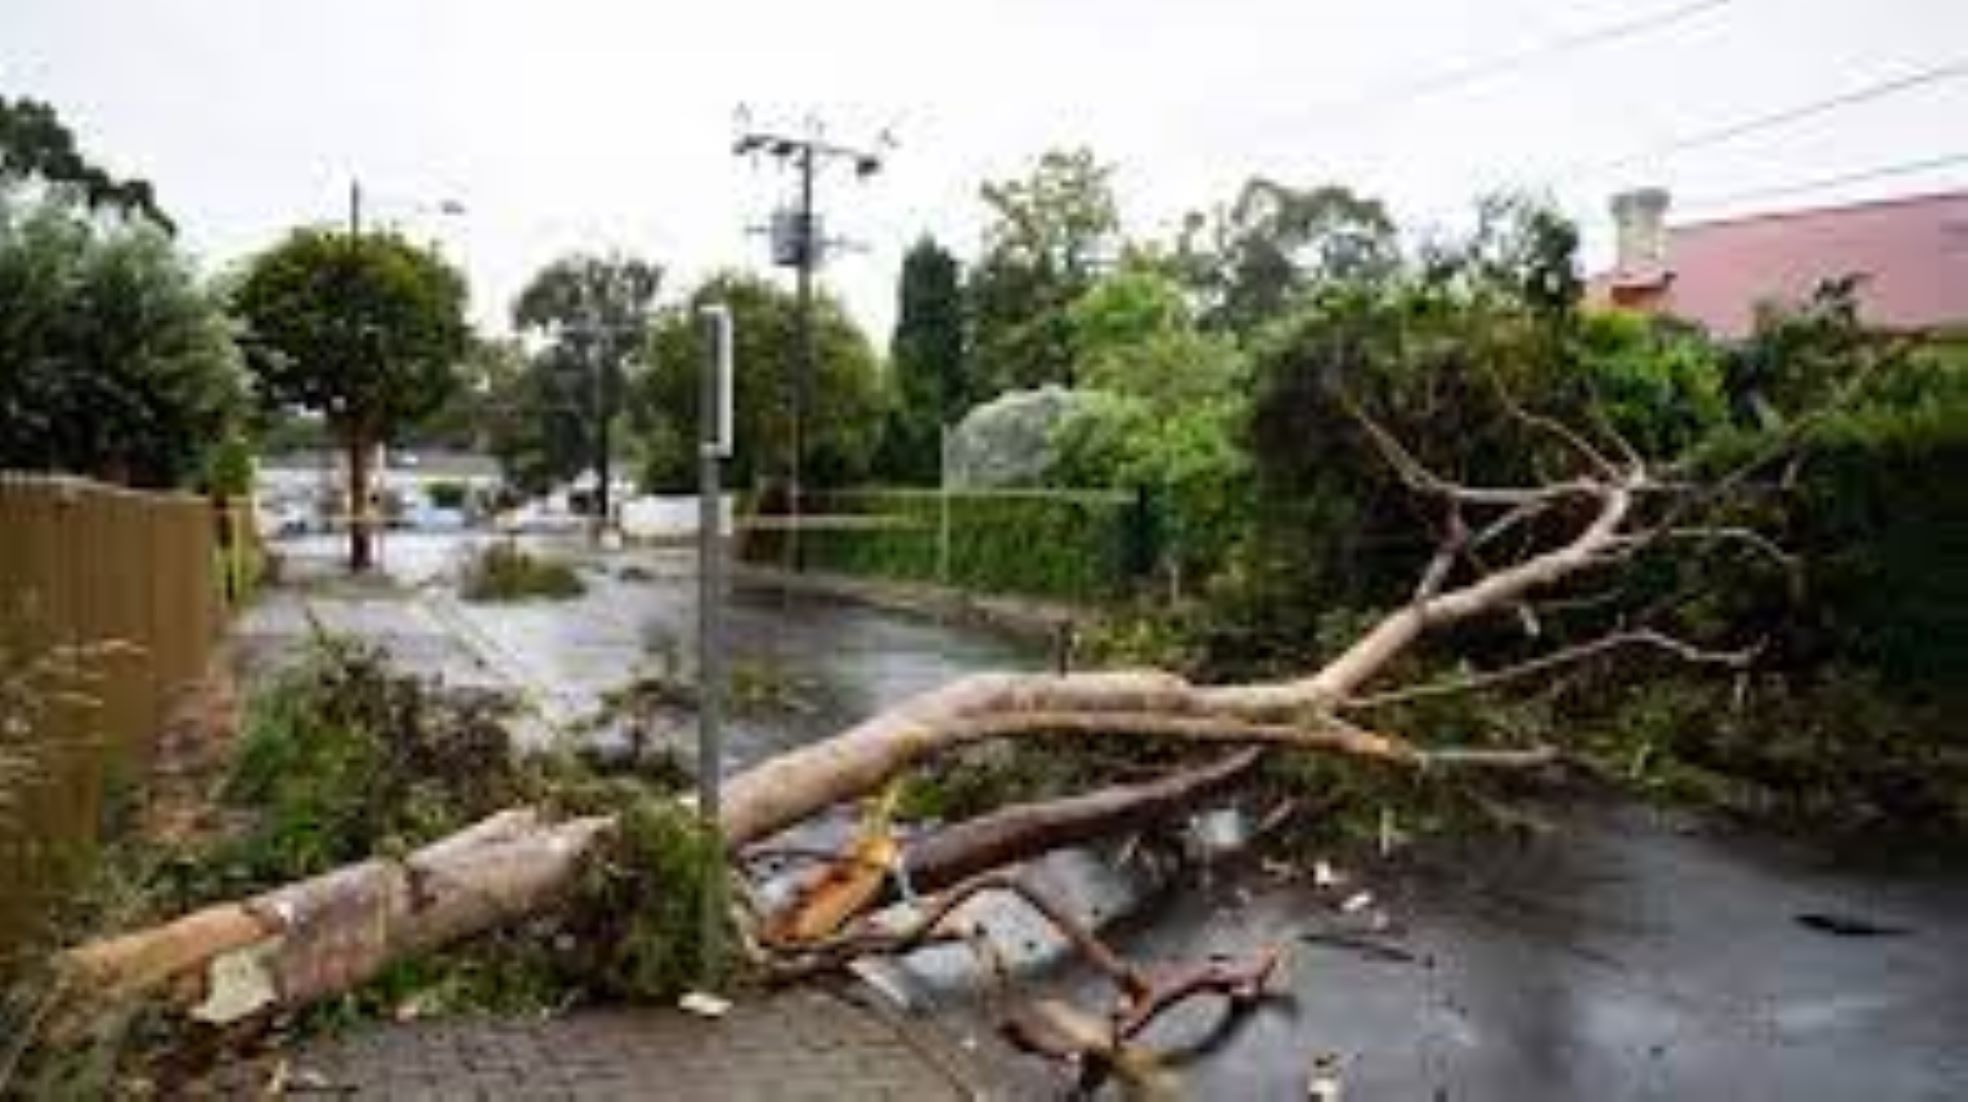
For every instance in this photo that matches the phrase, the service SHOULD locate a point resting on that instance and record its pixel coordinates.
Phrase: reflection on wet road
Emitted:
(1623, 956)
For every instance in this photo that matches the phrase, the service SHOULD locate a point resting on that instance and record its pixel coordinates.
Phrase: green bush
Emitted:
(503, 572)
(447, 494)
(1057, 544)
(344, 757)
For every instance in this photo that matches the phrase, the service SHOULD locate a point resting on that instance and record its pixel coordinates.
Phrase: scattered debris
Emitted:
(704, 1004)
(1323, 1086)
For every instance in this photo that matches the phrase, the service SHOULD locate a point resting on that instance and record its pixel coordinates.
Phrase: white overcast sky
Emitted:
(607, 123)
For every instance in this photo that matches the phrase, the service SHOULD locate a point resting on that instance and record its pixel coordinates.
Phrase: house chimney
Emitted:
(1640, 220)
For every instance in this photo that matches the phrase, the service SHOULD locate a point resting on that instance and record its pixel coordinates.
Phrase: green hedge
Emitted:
(1885, 531)
(1070, 545)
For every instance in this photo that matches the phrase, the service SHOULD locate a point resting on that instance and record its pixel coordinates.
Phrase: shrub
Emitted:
(1070, 545)
(503, 572)
(447, 494)
(344, 757)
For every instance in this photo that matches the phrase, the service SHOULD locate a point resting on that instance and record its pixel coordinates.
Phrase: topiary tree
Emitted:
(367, 331)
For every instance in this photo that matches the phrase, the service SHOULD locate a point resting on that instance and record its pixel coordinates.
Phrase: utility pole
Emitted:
(797, 243)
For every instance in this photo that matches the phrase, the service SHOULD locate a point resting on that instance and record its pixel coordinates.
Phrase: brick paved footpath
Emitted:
(787, 1046)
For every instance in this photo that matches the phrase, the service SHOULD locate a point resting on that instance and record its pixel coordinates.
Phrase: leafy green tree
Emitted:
(1134, 334)
(595, 313)
(35, 145)
(536, 426)
(114, 360)
(926, 363)
(1165, 416)
(844, 424)
(366, 331)
(1276, 242)
(1049, 233)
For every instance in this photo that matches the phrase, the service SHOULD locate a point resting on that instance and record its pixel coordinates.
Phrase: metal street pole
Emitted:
(809, 255)
(598, 352)
(714, 445)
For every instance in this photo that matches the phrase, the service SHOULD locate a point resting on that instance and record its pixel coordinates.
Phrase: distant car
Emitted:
(534, 516)
(433, 518)
(280, 521)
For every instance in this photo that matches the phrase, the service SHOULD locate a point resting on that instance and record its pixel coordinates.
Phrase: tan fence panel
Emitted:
(129, 581)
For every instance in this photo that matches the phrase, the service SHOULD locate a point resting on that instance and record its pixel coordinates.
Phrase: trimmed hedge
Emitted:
(1067, 545)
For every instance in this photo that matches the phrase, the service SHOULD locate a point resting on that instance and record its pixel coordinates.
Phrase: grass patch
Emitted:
(502, 571)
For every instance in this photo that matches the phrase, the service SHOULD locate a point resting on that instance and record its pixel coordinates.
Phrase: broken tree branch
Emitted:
(1013, 834)
(1490, 679)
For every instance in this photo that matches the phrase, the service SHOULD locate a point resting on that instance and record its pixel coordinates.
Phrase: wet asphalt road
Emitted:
(837, 662)
(1622, 956)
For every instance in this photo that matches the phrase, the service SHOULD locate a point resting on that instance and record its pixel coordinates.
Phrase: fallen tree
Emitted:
(298, 943)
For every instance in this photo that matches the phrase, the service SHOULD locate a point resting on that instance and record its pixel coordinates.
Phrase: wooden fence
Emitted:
(111, 601)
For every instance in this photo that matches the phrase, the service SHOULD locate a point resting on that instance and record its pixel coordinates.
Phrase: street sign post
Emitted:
(715, 438)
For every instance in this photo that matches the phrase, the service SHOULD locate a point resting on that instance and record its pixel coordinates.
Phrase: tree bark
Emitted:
(1013, 834)
(294, 944)
(358, 488)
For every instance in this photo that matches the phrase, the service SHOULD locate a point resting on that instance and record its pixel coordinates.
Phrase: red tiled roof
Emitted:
(1913, 253)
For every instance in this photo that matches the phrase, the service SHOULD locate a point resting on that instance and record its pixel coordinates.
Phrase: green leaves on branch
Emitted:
(114, 360)
(843, 423)
(366, 331)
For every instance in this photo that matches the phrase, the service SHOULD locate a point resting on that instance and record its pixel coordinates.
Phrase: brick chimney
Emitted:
(1640, 220)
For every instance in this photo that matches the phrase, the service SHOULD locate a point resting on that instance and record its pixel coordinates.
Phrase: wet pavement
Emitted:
(834, 662)
(1622, 955)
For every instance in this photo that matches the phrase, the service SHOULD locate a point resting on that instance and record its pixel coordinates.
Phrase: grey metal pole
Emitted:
(943, 506)
(713, 445)
(805, 364)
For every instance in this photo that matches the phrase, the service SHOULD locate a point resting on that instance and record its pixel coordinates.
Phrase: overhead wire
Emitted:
(1475, 72)
(1822, 183)
(1852, 97)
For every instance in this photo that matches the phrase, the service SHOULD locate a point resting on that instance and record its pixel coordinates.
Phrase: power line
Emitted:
(1475, 72)
(1882, 172)
(1869, 93)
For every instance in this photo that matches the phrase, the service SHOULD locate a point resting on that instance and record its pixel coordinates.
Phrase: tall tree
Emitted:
(535, 425)
(35, 145)
(1276, 241)
(843, 425)
(367, 331)
(1049, 233)
(595, 313)
(926, 363)
(114, 360)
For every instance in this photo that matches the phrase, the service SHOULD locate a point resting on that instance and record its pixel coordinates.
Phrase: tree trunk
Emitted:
(357, 444)
(294, 944)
